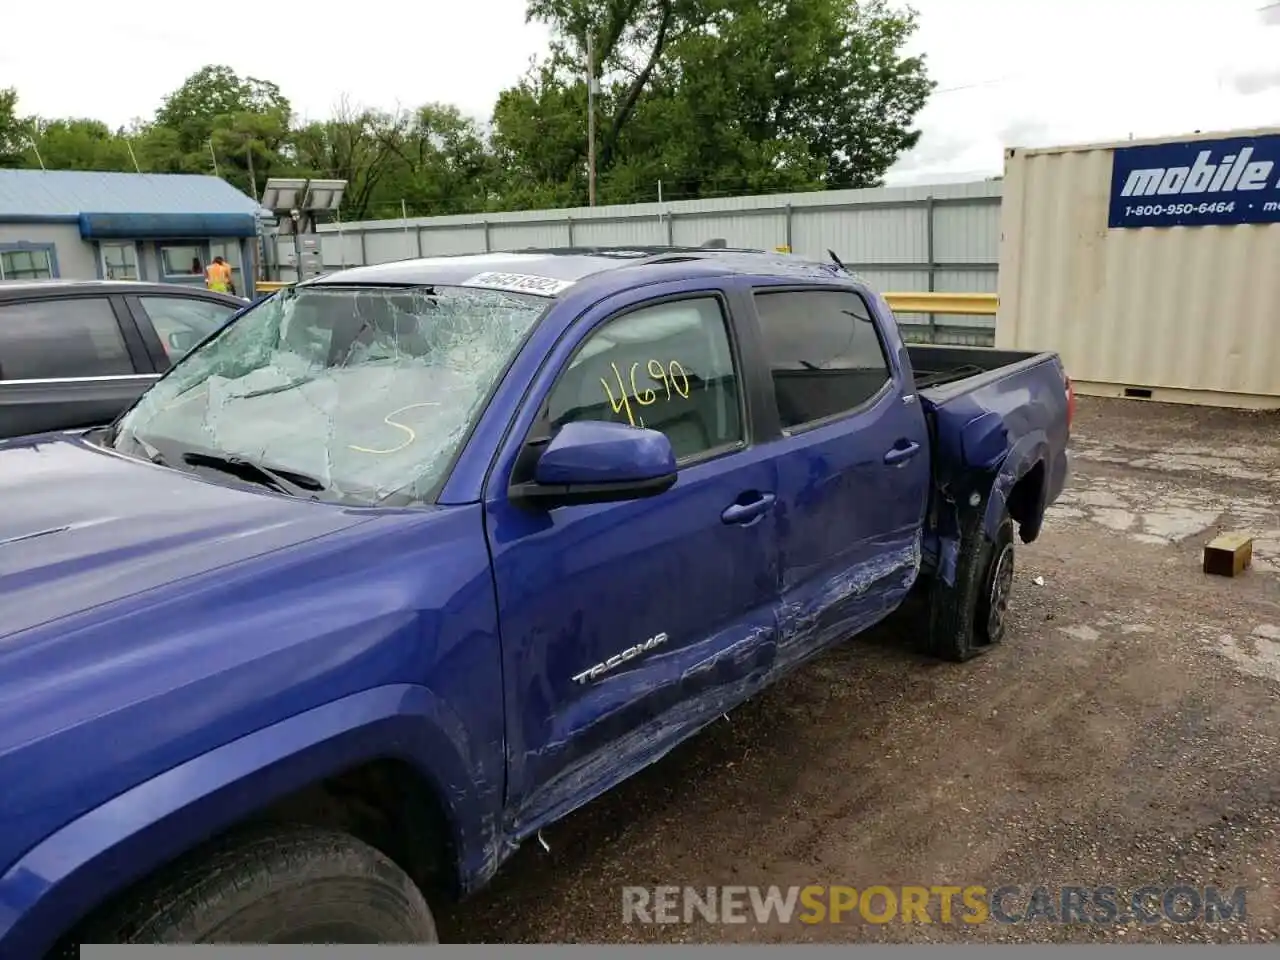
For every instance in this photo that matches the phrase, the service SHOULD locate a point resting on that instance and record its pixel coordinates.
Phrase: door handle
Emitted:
(902, 454)
(746, 512)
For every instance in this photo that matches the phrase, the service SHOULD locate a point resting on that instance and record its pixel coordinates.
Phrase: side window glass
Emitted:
(61, 338)
(181, 324)
(668, 367)
(183, 260)
(120, 261)
(824, 353)
(26, 265)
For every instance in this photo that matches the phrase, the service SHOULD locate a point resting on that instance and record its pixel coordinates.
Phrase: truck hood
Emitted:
(82, 527)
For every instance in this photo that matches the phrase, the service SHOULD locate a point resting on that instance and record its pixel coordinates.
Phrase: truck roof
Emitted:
(550, 272)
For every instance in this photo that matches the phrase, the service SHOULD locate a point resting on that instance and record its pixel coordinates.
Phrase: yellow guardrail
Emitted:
(970, 304)
(269, 286)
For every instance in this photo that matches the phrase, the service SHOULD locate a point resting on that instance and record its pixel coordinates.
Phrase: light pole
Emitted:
(296, 215)
(591, 123)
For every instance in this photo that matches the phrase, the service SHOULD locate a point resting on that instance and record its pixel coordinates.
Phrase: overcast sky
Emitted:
(1009, 72)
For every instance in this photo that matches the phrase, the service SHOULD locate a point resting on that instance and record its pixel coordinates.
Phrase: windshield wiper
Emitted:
(278, 388)
(282, 481)
(147, 451)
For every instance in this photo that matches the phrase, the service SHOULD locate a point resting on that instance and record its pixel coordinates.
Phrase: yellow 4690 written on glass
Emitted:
(671, 375)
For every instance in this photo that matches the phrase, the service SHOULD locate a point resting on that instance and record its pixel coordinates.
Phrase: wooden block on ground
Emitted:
(1228, 554)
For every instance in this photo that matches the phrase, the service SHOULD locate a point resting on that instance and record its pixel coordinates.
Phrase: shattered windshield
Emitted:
(359, 394)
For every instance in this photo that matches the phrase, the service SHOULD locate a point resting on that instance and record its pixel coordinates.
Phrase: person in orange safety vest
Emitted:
(218, 276)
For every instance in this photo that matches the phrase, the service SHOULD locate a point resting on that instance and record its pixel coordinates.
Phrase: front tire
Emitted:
(971, 616)
(282, 885)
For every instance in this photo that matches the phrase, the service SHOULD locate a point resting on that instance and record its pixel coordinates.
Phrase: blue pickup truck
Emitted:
(409, 561)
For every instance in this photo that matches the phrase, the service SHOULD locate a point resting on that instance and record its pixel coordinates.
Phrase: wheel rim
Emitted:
(998, 598)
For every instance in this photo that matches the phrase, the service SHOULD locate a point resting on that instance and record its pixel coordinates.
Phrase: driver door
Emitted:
(582, 587)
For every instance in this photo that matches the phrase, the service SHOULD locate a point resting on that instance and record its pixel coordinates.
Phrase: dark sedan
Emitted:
(74, 354)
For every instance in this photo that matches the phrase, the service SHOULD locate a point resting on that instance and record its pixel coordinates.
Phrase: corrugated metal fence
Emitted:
(942, 238)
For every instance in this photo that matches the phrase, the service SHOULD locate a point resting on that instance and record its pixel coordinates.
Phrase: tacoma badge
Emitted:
(600, 669)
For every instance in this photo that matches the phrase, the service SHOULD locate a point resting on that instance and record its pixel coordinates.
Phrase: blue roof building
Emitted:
(86, 225)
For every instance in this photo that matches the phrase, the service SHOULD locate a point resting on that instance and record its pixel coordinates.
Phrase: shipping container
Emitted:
(1152, 266)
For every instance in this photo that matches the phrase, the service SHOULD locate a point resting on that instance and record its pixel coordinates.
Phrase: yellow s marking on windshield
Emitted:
(399, 426)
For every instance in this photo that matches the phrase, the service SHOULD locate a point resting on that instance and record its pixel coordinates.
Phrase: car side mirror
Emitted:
(182, 340)
(591, 461)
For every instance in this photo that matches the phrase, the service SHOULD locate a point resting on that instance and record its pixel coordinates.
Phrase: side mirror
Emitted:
(591, 461)
(182, 340)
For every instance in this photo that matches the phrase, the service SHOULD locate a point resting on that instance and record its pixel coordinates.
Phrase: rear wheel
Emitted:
(993, 603)
(971, 616)
(289, 885)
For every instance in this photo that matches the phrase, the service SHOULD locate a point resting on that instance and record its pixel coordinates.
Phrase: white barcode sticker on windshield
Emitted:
(519, 282)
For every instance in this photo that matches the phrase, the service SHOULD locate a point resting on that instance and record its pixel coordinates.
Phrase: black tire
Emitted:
(279, 885)
(971, 617)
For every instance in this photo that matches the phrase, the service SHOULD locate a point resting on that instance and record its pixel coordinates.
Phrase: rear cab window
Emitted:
(62, 338)
(826, 357)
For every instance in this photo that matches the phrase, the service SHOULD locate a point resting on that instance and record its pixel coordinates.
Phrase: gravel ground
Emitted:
(1124, 734)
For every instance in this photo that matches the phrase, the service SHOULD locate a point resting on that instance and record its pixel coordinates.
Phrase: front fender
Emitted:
(1027, 453)
(62, 879)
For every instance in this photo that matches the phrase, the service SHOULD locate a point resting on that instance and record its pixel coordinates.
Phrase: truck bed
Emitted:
(944, 372)
(980, 403)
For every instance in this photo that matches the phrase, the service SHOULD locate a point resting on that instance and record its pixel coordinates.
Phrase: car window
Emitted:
(61, 338)
(182, 322)
(183, 260)
(668, 367)
(824, 352)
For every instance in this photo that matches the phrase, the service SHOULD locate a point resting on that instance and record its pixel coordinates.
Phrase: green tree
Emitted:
(708, 97)
(249, 147)
(242, 123)
(211, 95)
(442, 163)
(539, 138)
(80, 144)
(868, 123)
(629, 40)
(158, 150)
(356, 146)
(714, 97)
(12, 146)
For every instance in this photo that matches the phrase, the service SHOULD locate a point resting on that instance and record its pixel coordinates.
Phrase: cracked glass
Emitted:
(361, 395)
